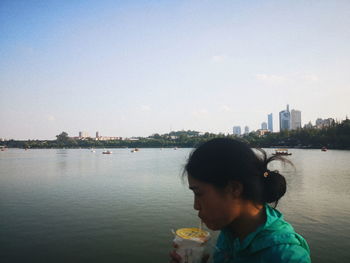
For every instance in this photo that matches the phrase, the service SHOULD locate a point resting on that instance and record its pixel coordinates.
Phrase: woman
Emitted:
(232, 188)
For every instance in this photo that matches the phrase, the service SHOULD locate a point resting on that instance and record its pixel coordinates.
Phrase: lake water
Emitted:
(73, 205)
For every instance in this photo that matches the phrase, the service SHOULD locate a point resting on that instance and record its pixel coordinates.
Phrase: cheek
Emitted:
(216, 215)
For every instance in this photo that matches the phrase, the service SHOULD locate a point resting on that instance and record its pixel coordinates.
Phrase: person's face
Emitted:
(217, 209)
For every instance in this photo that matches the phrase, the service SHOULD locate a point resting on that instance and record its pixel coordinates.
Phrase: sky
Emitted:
(134, 68)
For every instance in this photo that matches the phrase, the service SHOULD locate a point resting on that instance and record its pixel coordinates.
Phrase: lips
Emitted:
(201, 218)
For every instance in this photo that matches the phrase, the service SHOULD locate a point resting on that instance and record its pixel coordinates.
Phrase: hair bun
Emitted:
(275, 186)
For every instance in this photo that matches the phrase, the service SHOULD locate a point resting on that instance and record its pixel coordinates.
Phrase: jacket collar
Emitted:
(272, 216)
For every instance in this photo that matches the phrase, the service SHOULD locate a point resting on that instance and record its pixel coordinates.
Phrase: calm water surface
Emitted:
(80, 206)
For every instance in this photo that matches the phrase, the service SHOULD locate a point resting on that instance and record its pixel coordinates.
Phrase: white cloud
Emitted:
(270, 78)
(310, 78)
(145, 108)
(51, 118)
(294, 78)
(201, 112)
(225, 108)
(218, 58)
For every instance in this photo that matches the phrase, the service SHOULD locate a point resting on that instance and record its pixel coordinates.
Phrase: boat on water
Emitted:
(324, 149)
(281, 152)
(106, 152)
(135, 150)
(3, 148)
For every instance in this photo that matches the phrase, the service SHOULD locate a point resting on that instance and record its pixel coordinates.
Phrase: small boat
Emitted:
(281, 152)
(135, 150)
(106, 152)
(324, 149)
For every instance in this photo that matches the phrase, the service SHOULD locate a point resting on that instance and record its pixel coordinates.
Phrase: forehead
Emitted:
(195, 184)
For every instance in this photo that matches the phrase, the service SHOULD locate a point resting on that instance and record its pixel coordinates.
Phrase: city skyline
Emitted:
(141, 67)
(237, 130)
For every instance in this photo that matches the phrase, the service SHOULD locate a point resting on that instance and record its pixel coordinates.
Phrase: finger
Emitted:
(175, 256)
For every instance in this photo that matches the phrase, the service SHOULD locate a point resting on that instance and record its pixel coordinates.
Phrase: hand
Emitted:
(176, 258)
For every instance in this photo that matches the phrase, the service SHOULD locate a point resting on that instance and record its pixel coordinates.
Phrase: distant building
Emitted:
(262, 132)
(285, 119)
(328, 122)
(308, 126)
(295, 120)
(237, 130)
(320, 123)
(132, 139)
(107, 138)
(83, 134)
(270, 122)
(264, 126)
(246, 130)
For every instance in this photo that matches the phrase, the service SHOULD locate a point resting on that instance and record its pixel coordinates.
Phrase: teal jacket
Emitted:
(275, 241)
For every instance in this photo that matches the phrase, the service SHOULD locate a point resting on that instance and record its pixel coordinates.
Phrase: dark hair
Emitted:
(221, 161)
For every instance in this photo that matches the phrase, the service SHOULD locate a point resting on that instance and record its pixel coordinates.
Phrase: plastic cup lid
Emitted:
(193, 233)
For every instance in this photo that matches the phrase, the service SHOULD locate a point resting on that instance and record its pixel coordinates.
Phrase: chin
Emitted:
(212, 227)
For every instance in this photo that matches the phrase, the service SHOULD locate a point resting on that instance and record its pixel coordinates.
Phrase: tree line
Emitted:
(336, 136)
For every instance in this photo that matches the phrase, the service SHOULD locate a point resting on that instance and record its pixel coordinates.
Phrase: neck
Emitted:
(252, 216)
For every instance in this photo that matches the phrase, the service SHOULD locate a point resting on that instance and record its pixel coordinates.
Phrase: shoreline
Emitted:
(169, 147)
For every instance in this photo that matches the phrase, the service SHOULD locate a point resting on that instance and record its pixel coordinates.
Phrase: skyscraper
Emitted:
(270, 122)
(237, 130)
(295, 120)
(83, 134)
(264, 126)
(285, 119)
(246, 130)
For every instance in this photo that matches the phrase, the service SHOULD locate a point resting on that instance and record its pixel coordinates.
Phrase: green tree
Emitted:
(62, 137)
(63, 140)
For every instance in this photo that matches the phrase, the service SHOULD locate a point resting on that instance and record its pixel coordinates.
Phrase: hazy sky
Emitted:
(133, 68)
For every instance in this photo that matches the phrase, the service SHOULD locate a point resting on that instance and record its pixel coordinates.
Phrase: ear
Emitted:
(236, 189)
